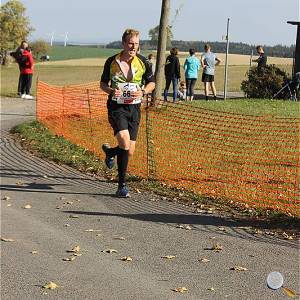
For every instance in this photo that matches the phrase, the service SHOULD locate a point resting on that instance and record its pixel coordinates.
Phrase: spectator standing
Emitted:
(209, 60)
(191, 67)
(172, 73)
(26, 72)
(262, 58)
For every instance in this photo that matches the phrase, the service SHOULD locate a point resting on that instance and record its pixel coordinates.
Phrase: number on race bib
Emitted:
(126, 94)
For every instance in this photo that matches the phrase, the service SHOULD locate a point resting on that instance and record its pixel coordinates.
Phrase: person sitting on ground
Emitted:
(151, 61)
(182, 90)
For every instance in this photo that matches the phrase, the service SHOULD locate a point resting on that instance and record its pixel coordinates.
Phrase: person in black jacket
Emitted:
(172, 73)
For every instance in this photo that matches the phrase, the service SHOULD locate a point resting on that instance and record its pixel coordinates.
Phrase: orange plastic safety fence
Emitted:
(241, 158)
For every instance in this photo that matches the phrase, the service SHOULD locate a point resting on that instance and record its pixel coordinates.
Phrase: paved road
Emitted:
(148, 225)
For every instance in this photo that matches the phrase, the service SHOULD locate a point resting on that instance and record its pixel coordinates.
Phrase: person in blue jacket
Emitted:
(191, 67)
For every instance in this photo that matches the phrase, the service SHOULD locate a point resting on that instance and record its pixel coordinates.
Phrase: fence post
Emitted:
(63, 112)
(90, 118)
(151, 171)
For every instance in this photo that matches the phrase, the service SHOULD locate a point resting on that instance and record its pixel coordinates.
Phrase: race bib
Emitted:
(126, 93)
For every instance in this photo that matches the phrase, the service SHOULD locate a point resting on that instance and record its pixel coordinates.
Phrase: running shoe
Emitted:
(109, 161)
(122, 192)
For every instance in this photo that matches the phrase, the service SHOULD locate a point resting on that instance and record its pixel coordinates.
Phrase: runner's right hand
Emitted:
(117, 92)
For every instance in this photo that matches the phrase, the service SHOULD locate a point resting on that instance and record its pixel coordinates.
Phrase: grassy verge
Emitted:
(38, 139)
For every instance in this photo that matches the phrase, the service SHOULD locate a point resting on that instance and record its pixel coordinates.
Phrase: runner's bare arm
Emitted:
(107, 89)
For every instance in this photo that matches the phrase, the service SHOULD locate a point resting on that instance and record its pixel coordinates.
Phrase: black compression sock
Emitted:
(206, 97)
(122, 161)
(215, 97)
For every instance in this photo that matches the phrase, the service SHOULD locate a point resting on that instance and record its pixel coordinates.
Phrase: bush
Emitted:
(264, 82)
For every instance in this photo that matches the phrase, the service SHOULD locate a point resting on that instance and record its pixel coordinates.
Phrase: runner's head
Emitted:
(131, 42)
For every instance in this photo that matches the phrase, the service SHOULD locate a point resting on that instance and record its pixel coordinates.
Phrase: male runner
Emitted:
(127, 77)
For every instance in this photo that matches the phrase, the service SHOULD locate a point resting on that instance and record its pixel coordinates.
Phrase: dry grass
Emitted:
(233, 60)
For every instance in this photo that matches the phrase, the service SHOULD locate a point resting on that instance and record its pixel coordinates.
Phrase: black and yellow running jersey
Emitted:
(140, 67)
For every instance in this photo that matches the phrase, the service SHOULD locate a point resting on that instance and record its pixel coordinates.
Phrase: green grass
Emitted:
(68, 75)
(75, 52)
(254, 107)
(40, 139)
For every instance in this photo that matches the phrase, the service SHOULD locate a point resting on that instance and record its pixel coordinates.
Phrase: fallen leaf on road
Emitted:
(216, 248)
(34, 252)
(50, 285)
(110, 251)
(8, 205)
(180, 290)
(287, 237)
(186, 227)
(7, 239)
(75, 249)
(204, 260)
(27, 206)
(289, 292)
(73, 216)
(71, 258)
(239, 268)
(168, 256)
(67, 225)
(119, 238)
(126, 258)
(6, 198)
(20, 183)
(92, 230)
(211, 289)
(138, 191)
(68, 203)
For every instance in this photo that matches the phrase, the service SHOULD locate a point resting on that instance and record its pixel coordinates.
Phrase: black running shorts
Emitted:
(208, 78)
(124, 116)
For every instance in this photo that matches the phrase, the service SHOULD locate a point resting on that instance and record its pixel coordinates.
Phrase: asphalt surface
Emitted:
(148, 225)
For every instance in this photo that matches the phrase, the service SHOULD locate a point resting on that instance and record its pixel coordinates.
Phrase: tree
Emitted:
(14, 27)
(39, 47)
(161, 49)
(154, 32)
(264, 82)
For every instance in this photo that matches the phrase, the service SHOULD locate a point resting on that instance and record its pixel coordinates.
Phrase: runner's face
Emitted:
(131, 45)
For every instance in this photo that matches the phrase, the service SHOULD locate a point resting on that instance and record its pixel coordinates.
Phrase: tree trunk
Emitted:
(161, 50)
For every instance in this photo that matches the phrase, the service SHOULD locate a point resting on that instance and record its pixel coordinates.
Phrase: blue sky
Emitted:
(252, 21)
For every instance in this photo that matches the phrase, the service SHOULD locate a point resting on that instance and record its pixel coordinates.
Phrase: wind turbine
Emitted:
(66, 38)
(52, 37)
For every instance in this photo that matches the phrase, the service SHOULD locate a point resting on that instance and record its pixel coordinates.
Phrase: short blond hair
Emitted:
(129, 33)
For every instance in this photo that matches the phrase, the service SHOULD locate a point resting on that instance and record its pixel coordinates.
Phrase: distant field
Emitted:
(76, 52)
(76, 64)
